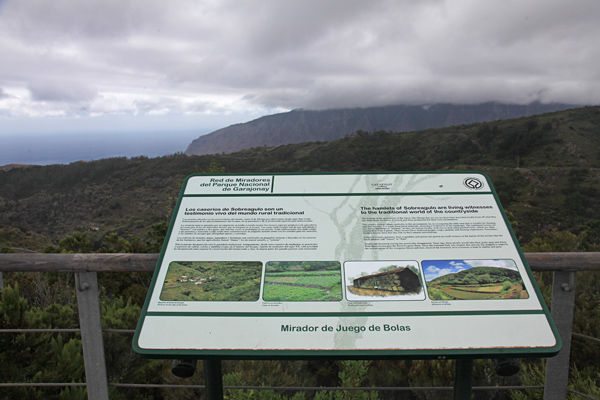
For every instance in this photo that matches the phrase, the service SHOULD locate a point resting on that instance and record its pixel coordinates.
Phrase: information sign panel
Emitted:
(356, 265)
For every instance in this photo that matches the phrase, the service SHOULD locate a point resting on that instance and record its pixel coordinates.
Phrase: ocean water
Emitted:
(46, 149)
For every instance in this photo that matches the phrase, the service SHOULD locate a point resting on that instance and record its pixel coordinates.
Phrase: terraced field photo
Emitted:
(303, 281)
(212, 281)
(473, 280)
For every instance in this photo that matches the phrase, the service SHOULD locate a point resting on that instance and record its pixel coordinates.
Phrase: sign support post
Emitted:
(213, 377)
(463, 377)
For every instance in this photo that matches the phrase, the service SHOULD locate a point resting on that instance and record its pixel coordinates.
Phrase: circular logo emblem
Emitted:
(473, 183)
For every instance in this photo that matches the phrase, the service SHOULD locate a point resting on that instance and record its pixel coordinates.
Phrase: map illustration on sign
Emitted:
(474, 280)
(353, 265)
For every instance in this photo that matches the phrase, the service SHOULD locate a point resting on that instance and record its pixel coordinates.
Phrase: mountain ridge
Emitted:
(300, 125)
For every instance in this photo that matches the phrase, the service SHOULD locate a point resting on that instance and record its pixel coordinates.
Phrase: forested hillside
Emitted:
(545, 169)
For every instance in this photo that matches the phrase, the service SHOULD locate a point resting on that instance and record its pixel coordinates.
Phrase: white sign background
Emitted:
(353, 219)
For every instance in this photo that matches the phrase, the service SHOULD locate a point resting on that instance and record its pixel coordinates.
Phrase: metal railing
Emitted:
(85, 267)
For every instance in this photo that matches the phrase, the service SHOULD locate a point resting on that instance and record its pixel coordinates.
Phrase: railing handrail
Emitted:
(146, 262)
(97, 262)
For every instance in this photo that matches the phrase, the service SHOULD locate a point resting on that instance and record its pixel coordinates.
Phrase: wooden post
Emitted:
(86, 286)
(563, 303)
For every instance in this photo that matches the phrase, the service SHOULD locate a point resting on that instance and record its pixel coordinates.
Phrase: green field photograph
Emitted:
(303, 281)
(383, 280)
(473, 280)
(212, 281)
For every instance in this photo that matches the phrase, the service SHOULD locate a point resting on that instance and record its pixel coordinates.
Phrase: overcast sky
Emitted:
(141, 64)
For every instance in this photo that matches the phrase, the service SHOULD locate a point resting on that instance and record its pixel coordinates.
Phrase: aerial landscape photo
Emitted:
(212, 281)
(474, 280)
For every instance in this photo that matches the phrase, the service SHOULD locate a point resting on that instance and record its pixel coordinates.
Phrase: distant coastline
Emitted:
(19, 150)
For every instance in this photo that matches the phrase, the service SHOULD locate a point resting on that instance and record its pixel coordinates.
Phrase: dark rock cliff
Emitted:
(299, 126)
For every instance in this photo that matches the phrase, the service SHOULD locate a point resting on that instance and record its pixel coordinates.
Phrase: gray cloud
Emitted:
(3, 95)
(41, 22)
(60, 91)
(150, 56)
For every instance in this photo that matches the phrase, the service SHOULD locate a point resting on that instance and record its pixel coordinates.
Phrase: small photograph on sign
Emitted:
(212, 281)
(473, 280)
(383, 280)
(303, 281)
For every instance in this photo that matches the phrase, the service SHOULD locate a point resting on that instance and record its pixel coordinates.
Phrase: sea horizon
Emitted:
(66, 148)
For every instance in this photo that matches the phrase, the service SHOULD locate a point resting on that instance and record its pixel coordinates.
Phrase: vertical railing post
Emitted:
(563, 303)
(86, 286)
